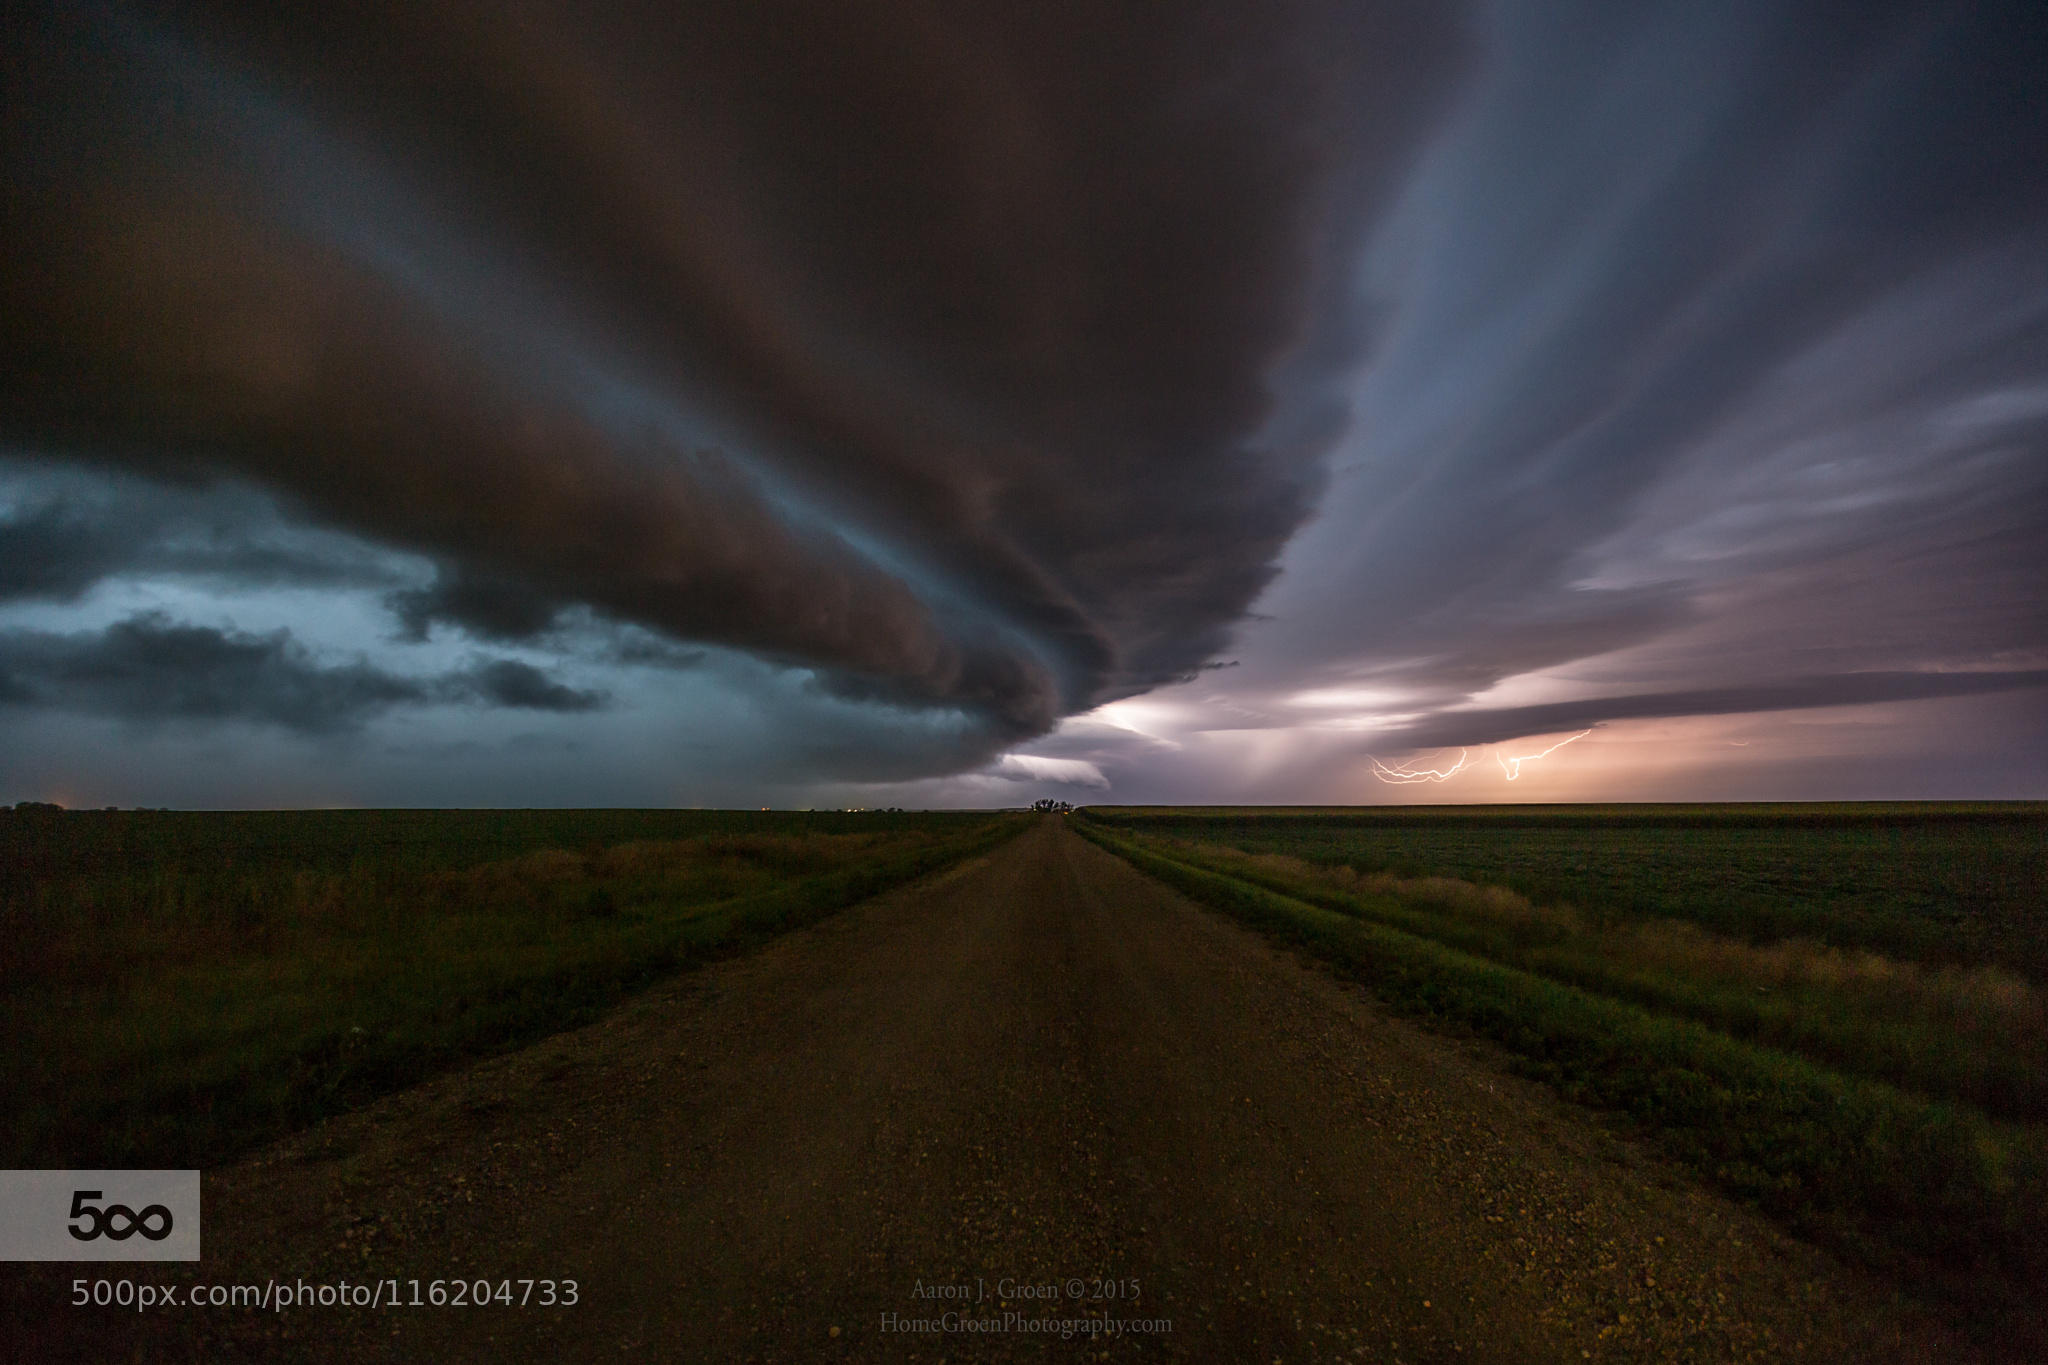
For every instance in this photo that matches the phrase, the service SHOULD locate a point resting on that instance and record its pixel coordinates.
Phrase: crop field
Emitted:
(1963, 883)
(1841, 1012)
(175, 986)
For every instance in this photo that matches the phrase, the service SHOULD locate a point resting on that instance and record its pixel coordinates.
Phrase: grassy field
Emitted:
(1962, 883)
(1785, 998)
(176, 986)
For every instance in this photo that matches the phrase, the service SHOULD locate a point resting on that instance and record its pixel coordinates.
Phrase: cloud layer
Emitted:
(1713, 382)
(933, 348)
(769, 393)
(151, 669)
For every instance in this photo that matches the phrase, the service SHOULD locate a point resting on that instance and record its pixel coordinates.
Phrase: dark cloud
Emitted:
(508, 682)
(989, 307)
(50, 551)
(507, 610)
(64, 531)
(1843, 689)
(149, 668)
(490, 608)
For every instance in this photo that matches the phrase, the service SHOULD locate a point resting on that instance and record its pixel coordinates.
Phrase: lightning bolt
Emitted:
(1511, 764)
(1403, 773)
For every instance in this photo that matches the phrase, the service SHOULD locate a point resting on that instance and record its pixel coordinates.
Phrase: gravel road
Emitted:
(1041, 1076)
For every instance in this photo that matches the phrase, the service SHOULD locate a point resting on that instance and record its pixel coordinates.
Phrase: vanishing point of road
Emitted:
(1040, 1073)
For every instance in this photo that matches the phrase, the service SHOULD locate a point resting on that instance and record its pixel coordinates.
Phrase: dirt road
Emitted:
(1040, 1070)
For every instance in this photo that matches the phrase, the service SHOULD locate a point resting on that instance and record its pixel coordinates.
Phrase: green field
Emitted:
(176, 986)
(1838, 1011)
(1960, 882)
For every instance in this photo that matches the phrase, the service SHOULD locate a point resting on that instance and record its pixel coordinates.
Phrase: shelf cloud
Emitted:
(777, 393)
(929, 347)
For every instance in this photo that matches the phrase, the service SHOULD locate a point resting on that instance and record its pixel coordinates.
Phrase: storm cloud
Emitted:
(66, 530)
(1793, 694)
(492, 608)
(509, 682)
(933, 347)
(1714, 375)
(1175, 405)
(151, 669)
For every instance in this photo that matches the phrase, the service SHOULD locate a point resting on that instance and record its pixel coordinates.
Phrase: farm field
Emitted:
(1838, 1012)
(1951, 882)
(181, 985)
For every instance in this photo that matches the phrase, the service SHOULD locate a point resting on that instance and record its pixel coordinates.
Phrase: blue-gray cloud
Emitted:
(509, 682)
(64, 530)
(490, 608)
(151, 669)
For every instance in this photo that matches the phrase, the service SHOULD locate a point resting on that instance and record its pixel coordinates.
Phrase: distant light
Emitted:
(1350, 697)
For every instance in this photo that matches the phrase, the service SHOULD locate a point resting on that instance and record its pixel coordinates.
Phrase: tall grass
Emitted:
(164, 1016)
(1977, 1034)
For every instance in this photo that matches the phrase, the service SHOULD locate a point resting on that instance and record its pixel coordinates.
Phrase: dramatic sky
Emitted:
(776, 402)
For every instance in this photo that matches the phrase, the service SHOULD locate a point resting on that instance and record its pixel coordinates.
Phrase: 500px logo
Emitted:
(99, 1215)
(100, 1222)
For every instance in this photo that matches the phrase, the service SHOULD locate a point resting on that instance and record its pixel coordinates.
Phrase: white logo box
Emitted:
(124, 1215)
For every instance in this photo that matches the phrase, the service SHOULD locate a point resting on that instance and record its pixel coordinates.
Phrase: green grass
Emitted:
(1978, 1035)
(1955, 883)
(1899, 1177)
(180, 986)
